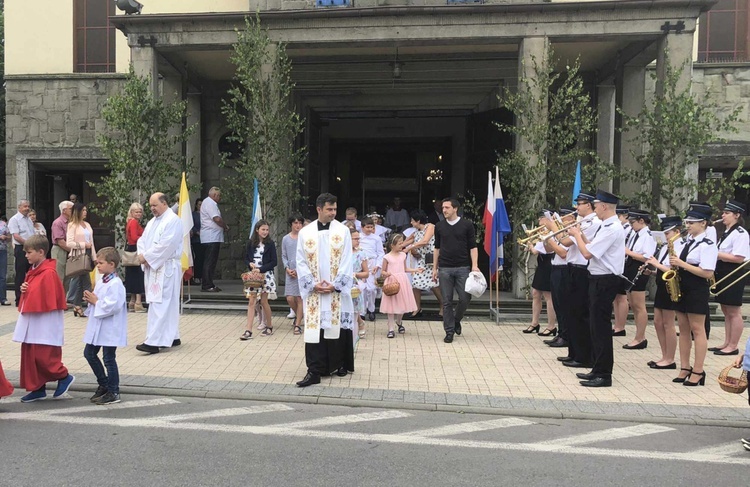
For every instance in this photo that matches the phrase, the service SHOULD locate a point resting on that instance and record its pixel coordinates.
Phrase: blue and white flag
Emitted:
(257, 214)
(577, 184)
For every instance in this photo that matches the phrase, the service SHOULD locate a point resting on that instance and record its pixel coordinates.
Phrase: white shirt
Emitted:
(628, 228)
(735, 242)
(703, 252)
(397, 218)
(211, 232)
(357, 224)
(642, 242)
(606, 249)
(382, 233)
(21, 225)
(662, 254)
(574, 255)
(373, 248)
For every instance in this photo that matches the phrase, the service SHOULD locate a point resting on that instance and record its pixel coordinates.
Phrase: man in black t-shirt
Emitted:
(455, 257)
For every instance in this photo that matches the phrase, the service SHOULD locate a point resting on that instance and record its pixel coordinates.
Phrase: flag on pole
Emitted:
(501, 227)
(577, 183)
(489, 218)
(186, 217)
(257, 212)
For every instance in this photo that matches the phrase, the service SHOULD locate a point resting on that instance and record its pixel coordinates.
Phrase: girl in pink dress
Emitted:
(394, 267)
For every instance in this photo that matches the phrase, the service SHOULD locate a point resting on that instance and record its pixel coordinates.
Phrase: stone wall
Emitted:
(311, 4)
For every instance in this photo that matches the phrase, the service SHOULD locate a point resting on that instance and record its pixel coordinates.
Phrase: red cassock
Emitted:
(45, 292)
(6, 389)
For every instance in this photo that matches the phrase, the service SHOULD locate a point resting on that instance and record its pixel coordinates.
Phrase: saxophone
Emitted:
(671, 278)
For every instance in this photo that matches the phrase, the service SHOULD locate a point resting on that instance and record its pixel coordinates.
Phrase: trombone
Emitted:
(712, 290)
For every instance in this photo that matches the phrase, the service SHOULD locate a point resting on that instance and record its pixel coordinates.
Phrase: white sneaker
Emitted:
(291, 314)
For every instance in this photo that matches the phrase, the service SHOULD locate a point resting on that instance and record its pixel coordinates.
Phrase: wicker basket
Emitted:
(253, 279)
(355, 292)
(391, 287)
(735, 385)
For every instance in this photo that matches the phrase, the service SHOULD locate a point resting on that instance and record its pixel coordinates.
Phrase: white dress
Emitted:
(108, 318)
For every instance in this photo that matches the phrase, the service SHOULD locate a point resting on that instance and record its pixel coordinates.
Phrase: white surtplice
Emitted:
(161, 245)
(108, 318)
(325, 256)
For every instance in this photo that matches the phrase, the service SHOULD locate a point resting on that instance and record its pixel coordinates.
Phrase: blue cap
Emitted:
(670, 222)
(585, 196)
(622, 209)
(605, 197)
(566, 210)
(638, 214)
(735, 207)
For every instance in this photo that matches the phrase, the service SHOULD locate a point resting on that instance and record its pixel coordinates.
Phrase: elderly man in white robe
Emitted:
(324, 272)
(159, 250)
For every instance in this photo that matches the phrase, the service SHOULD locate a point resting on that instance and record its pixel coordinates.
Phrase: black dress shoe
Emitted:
(576, 365)
(597, 382)
(177, 342)
(637, 346)
(341, 372)
(733, 352)
(559, 343)
(551, 340)
(457, 328)
(309, 380)
(564, 359)
(620, 333)
(448, 338)
(585, 376)
(671, 366)
(714, 349)
(147, 348)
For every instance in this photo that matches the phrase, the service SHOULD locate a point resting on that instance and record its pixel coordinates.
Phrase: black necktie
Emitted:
(635, 239)
(686, 250)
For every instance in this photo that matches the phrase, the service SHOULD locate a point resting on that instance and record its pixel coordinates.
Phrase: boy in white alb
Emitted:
(107, 327)
(371, 244)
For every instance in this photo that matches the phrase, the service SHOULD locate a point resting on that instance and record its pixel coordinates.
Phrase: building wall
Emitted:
(38, 36)
(729, 87)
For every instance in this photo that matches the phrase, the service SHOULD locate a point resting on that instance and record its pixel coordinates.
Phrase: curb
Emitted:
(413, 406)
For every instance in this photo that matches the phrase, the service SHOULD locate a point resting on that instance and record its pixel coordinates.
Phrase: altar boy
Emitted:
(107, 327)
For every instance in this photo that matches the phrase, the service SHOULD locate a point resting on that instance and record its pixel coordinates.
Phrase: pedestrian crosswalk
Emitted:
(268, 419)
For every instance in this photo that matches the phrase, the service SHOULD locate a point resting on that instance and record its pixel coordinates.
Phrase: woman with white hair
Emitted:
(134, 274)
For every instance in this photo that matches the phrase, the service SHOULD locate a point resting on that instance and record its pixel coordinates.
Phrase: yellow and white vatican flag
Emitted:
(186, 216)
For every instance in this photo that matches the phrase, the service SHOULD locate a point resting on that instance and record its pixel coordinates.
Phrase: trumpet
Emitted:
(533, 236)
(583, 223)
(712, 290)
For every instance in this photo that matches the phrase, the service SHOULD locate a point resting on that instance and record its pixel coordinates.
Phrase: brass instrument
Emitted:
(583, 223)
(540, 233)
(712, 290)
(671, 278)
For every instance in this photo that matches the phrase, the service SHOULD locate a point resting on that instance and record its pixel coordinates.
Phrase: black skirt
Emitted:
(541, 280)
(134, 276)
(662, 299)
(694, 292)
(733, 295)
(631, 270)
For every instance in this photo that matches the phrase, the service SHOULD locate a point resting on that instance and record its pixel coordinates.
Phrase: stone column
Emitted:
(193, 152)
(531, 50)
(605, 138)
(145, 64)
(631, 85)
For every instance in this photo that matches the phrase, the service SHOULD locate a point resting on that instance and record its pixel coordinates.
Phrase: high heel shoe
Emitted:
(701, 381)
(78, 311)
(547, 332)
(532, 329)
(680, 380)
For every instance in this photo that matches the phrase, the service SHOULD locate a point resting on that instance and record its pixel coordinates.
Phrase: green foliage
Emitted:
(473, 211)
(674, 131)
(142, 149)
(260, 117)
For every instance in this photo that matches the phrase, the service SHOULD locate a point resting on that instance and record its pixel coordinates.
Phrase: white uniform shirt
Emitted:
(643, 243)
(211, 232)
(702, 253)
(628, 228)
(735, 242)
(574, 255)
(606, 249)
(662, 254)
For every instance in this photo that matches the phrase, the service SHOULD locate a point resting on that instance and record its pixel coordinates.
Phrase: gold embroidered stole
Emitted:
(313, 301)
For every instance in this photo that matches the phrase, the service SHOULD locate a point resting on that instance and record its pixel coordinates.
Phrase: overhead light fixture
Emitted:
(130, 7)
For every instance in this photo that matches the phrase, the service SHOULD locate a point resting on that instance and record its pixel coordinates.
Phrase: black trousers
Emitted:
(559, 289)
(210, 259)
(602, 293)
(21, 267)
(324, 357)
(198, 253)
(579, 341)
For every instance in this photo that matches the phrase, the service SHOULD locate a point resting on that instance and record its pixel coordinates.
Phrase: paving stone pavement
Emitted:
(490, 367)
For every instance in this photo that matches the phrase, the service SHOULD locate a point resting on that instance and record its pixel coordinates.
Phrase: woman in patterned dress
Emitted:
(421, 245)
(261, 256)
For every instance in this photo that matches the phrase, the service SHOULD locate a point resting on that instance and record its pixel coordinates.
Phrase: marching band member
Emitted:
(734, 249)
(696, 265)
(711, 235)
(664, 307)
(541, 289)
(606, 260)
(640, 247)
(621, 301)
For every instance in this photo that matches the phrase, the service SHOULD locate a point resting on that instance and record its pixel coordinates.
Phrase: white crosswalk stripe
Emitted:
(723, 450)
(459, 428)
(338, 420)
(163, 401)
(609, 435)
(222, 413)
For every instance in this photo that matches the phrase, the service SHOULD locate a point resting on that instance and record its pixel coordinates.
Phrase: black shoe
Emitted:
(564, 359)
(342, 372)
(597, 382)
(177, 342)
(211, 290)
(531, 329)
(733, 352)
(109, 398)
(637, 346)
(5, 303)
(576, 365)
(457, 328)
(701, 381)
(551, 340)
(547, 332)
(309, 380)
(585, 376)
(100, 391)
(147, 348)
(559, 343)
(620, 333)
(371, 316)
(671, 366)
(448, 338)
(714, 349)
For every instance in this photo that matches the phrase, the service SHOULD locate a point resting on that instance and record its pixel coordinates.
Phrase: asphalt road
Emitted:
(175, 441)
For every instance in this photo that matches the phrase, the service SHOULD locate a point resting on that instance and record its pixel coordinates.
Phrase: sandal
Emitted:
(247, 335)
(297, 330)
(401, 328)
(267, 332)
(391, 334)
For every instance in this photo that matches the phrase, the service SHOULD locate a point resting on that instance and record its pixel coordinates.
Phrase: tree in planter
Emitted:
(558, 138)
(141, 148)
(263, 124)
(673, 131)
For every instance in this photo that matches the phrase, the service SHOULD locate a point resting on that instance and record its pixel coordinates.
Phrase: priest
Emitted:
(324, 272)
(159, 250)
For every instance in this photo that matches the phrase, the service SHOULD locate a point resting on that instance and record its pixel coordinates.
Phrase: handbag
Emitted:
(129, 258)
(78, 263)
